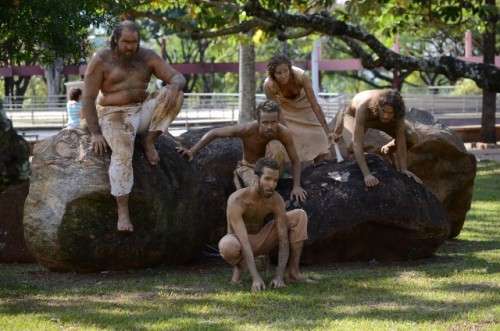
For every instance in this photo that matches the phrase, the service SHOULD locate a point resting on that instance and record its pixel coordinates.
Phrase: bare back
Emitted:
(254, 144)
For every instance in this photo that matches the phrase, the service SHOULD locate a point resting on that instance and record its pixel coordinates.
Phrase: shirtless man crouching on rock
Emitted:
(117, 106)
(248, 237)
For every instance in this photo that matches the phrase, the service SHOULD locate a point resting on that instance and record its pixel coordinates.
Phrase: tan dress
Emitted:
(308, 135)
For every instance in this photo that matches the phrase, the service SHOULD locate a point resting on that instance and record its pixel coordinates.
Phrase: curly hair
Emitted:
(275, 61)
(389, 97)
(265, 162)
(267, 106)
(117, 32)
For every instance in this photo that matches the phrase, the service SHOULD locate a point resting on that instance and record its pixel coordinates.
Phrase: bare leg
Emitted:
(294, 275)
(239, 270)
(124, 223)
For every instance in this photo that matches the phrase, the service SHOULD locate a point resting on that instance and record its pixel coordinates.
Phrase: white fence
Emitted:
(205, 109)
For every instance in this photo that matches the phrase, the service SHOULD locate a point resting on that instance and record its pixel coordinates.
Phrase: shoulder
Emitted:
(270, 85)
(298, 74)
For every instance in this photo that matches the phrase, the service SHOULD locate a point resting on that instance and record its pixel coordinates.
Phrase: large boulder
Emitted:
(441, 160)
(340, 229)
(396, 220)
(217, 163)
(70, 216)
(14, 154)
(12, 244)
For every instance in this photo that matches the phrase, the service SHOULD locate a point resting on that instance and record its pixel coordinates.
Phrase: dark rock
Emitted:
(440, 160)
(396, 220)
(14, 154)
(70, 216)
(12, 244)
(217, 162)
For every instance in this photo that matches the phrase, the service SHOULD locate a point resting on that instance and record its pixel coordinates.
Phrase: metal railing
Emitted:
(204, 109)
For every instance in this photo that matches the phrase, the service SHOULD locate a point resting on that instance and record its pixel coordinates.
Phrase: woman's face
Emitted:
(282, 74)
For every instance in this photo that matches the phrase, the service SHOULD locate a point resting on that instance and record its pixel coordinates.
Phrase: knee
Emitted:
(230, 249)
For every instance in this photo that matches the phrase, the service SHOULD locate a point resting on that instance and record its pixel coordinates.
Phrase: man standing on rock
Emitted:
(247, 236)
(263, 137)
(377, 109)
(117, 106)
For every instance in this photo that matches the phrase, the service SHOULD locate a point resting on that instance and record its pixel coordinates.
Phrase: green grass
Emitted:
(457, 289)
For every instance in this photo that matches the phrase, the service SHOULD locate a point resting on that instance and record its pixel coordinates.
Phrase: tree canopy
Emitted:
(295, 19)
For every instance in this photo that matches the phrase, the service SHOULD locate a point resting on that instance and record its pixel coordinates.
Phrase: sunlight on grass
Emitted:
(458, 289)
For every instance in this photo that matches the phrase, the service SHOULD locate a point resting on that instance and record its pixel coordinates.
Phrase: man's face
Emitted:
(268, 181)
(268, 124)
(386, 114)
(128, 44)
(282, 74)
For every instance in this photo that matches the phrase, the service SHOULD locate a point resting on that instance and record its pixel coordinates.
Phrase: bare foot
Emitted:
(124, 223)
(301, 279)
(239, 270)
(150, 150)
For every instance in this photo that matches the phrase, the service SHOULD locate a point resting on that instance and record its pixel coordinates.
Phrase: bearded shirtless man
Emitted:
(117, 106)
(263, 137)
(382, 110)
(247, 236)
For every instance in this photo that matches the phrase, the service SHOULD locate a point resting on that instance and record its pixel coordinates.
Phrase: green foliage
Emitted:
(46, 30)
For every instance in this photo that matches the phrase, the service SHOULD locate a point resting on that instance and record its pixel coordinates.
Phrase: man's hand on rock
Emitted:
(98, 143)
(185, 152)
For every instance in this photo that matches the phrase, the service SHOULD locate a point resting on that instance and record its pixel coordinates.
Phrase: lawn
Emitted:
(457, 289)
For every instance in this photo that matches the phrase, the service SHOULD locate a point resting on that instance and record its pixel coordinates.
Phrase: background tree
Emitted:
(384, 18)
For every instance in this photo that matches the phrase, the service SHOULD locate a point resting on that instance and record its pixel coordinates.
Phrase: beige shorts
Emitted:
(119, 126)
(266, 239)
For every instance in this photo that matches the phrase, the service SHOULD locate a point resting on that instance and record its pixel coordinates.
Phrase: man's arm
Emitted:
(169, 75)
(401, 150)
(235, 219)
(93, 81)
(284, 245)
(287, 140)
(228, 131)
(357, 142)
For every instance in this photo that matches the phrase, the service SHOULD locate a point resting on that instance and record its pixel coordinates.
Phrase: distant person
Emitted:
(263, 137)
(117, 106)
(383, 110)
(290, 88)
(74, 107)
(247, 236)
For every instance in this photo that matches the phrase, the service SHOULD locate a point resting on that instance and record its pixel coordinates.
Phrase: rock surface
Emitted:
(70, 216)
(14, 155)
(12, 244)
(398, 219)
(440, 160)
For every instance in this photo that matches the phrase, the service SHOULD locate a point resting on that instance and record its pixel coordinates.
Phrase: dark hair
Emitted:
(265, 162)
(392, 98)
(74, 93)
(275, 61)
(117, 32)
(267, 106)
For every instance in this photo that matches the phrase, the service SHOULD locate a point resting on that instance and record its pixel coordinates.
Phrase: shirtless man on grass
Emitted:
(247, 236)
(117, 106)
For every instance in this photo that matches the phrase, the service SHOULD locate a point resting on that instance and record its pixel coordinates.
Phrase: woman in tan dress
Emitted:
(290, 88)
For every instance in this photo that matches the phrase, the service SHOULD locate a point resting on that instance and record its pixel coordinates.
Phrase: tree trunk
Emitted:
(488, 118)
(52, 75)
(247, 84)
